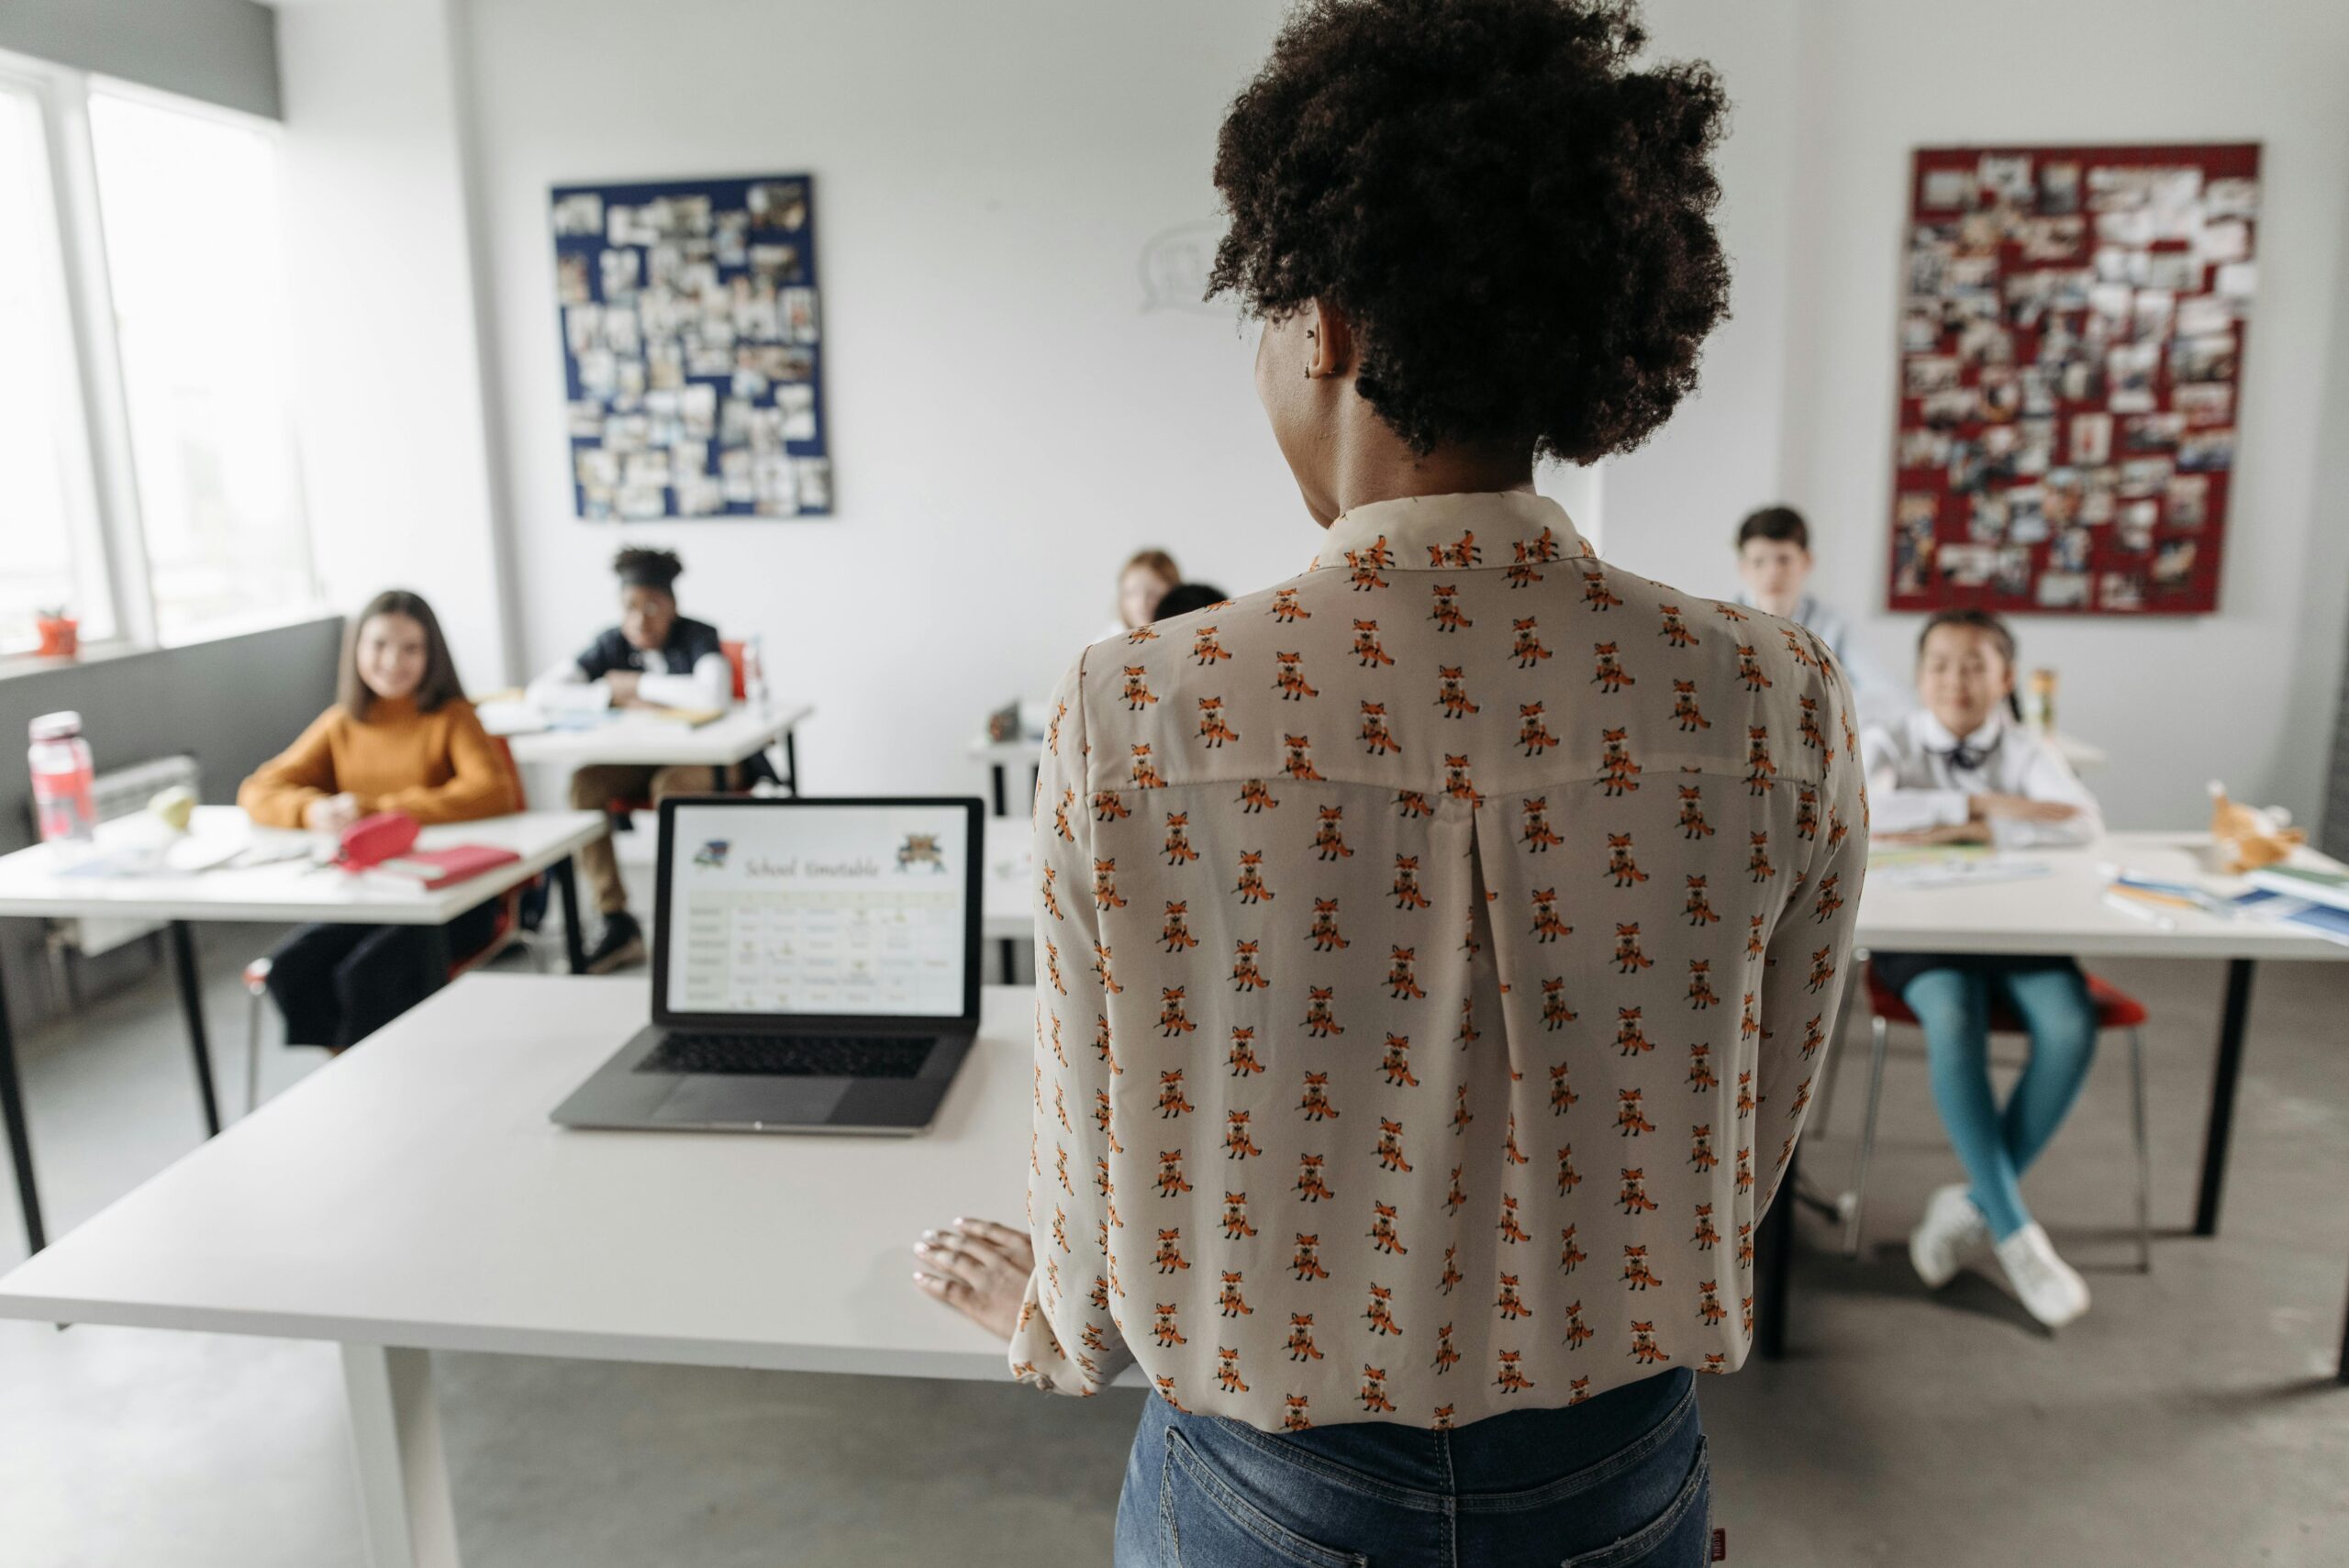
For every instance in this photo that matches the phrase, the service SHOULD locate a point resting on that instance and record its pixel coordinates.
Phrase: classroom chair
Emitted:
(2115, 1010)
(509, 932)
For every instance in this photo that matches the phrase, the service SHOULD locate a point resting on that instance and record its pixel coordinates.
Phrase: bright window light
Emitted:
(53, 558)
(190, 205)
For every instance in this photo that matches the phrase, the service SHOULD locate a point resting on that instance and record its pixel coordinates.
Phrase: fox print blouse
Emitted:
(1434, 952)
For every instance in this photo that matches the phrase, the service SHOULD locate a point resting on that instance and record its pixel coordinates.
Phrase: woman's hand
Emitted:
(978, 1268)
(623, 685)
(332, 814)
(2020, 809)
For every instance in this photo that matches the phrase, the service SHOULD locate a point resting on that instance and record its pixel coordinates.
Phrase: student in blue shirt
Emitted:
(1774, 563)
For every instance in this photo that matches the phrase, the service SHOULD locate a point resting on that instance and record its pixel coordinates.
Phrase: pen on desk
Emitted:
(2136, 894)
(2152, 917)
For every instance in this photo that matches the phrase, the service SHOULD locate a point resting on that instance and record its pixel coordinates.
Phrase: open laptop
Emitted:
(815, 969)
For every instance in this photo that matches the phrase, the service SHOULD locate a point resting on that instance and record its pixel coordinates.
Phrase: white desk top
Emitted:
(413, 1192)
(645, 740)
(2065, 912)
(30, 883)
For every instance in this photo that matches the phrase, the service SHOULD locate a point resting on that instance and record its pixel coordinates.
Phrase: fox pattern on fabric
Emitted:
(1393, 878)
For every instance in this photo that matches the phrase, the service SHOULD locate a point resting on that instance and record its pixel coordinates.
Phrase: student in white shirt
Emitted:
(1965, 771)
(1774, 563)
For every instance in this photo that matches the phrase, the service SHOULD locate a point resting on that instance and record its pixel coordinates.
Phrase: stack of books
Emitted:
(2314, 898)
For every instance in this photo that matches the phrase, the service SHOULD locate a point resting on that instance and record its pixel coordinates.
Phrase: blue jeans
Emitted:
(1996, 1145)
(1621, 1480)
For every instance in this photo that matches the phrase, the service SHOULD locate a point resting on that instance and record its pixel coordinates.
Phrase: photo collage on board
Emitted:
(692, 355)
(2072, 330)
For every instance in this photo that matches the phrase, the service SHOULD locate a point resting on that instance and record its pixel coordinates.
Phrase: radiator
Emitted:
(120, 793)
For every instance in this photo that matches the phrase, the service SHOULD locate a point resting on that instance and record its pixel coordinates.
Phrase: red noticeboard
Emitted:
(2071, 343)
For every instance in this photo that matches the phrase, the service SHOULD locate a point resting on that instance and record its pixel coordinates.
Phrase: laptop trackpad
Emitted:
(705, 1099)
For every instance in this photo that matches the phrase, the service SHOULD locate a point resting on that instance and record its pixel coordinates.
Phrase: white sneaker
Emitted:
(1952, 1231)
(2050, 1290)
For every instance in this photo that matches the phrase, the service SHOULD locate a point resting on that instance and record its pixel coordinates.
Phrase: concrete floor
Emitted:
(2189, 1419)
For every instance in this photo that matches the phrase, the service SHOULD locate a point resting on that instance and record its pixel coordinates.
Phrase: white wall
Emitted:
(391, 421)
(1665, 502)
(2178, 701)
(1007, 421)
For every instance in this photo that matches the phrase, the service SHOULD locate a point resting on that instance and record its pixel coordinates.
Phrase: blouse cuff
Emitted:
(1038, 1357)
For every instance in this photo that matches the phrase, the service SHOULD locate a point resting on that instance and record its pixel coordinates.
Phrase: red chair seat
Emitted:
(2115, 1008)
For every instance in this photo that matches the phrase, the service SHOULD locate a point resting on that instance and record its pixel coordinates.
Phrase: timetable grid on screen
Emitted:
(842, 912)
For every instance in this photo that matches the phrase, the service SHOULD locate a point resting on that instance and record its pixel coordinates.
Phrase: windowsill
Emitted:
(112, 650)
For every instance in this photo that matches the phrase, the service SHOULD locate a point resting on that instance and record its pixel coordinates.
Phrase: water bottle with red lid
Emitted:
(62, 777)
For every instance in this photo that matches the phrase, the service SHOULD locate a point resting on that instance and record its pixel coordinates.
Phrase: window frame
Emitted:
(100, 463)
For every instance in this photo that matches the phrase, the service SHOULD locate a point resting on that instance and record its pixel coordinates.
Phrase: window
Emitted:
(194, 248)
(147, 477)
(54, 559)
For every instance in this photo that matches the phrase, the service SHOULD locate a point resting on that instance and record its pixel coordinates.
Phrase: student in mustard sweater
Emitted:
(403, 738)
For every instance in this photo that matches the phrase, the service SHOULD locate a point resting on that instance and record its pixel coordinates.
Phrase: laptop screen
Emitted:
(822, 909)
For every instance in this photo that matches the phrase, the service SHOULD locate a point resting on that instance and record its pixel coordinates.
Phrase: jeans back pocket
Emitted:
(1677, 1538)
(1209, 1523)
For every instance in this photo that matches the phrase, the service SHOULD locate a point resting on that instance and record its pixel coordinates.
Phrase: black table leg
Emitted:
(791, 762)
(1010, 950)
(192, 1004)
(574, 940)
(1774, 1261)
(433, 955)
(2225, 1076)
(2342, 1376)
(995, 769)
(20, 1147)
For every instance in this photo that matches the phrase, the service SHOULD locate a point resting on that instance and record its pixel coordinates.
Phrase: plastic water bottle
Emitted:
(754, 675)
(62, 777)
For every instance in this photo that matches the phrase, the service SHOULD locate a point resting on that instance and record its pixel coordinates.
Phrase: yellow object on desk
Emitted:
(691, 717)
(2148, 897)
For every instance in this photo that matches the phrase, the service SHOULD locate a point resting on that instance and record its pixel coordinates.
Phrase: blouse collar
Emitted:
(1490, 529)
(1938, 737)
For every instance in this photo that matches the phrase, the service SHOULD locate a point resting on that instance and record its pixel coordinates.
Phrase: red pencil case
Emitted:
(371, 840)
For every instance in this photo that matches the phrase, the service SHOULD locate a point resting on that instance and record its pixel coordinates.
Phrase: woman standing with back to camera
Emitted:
(1434, 949)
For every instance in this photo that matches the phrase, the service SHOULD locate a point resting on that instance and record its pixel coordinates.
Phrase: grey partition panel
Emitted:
(231, 704)
(223, 51)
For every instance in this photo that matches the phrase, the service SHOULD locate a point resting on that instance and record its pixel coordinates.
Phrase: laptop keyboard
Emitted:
(801, 1056)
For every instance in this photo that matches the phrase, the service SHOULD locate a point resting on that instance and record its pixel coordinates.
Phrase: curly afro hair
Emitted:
(640, 566)
(1517, 221)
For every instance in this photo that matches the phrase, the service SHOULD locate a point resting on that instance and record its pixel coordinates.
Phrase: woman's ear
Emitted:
(1329, 341)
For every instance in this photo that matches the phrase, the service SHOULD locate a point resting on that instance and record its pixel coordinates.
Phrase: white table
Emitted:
(2065, 912)
(646, 739)
(32, 884)
(1000, 756)
(415, 1198)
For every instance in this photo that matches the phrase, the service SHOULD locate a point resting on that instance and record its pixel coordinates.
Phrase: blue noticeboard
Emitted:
(693, 355)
